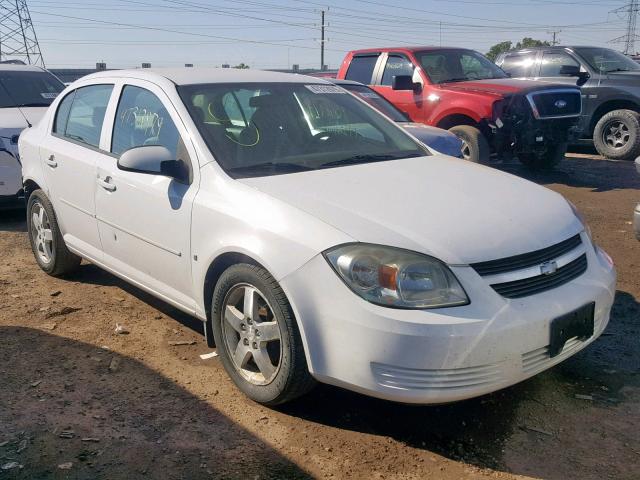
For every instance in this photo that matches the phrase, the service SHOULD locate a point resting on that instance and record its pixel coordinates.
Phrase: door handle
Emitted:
(51, 161)
(106, 184)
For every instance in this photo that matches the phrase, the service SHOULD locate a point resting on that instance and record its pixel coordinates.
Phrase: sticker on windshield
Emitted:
(325, 89)
(368, 95)
(50, 95)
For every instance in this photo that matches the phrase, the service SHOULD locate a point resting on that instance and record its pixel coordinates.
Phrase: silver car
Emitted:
(636, 213)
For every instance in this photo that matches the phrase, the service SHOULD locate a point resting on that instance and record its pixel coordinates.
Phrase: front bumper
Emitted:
(10, 174)
(439, 355)
(636, 221)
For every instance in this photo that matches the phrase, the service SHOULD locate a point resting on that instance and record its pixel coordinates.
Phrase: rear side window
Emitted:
(552, 63)
(142, 120)
(62, 115)
(361, 68)
(396, 65)
(86, 116)
(519, 64)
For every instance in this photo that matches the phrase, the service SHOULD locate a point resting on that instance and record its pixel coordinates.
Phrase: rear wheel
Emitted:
(257, 336)
(617, 135)
(475, 147)
(544, 159)
(47, 243)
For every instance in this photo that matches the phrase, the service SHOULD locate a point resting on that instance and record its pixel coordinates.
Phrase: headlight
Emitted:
(393, 277)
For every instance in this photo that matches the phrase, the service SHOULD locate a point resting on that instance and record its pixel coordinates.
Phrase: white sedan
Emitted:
(315, 239)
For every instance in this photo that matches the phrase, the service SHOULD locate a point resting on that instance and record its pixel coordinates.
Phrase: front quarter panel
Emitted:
(230, 217)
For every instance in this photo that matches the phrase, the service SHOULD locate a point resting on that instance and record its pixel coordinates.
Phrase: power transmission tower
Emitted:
(322, 42)
(629, 38)
(18, 40)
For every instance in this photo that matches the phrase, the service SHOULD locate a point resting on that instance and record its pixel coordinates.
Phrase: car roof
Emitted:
(554, 47)
(422, 48)
(13, 67)
(199, 75)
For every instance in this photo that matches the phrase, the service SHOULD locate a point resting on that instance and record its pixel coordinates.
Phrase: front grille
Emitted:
(555, 103)
(517, 262)
(541, 283)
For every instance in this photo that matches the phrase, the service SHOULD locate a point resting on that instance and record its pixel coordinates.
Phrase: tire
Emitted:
(545, 159)
(240, 341)
(45, 237)
(475, 147)
(617, 135)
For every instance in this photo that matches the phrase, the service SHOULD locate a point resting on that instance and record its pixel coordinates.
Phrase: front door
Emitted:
(144, 220)
(69, 159)
(410, 102)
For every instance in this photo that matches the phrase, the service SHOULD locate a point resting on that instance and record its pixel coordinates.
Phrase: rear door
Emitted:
(70, 155)
(397, 64)
(362, 68)
(144, 220)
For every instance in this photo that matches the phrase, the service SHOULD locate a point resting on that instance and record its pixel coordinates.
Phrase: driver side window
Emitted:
(142, 120)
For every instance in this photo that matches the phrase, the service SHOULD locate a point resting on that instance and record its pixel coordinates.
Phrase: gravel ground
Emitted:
(79, 401)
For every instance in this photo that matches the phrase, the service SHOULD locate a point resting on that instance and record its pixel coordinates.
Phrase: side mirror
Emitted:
(153, 160)
(405, 82)
(569, 71)
(582, 78)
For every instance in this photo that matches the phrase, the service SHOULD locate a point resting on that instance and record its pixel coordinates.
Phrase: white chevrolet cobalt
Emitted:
(314, 238)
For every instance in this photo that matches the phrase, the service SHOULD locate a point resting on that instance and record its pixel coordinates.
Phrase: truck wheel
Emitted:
(617, 135)
(475, 147)
(257, 336)
(47, 243)
(545, 159)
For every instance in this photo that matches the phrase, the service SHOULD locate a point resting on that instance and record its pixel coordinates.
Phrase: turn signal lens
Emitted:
(396, 278)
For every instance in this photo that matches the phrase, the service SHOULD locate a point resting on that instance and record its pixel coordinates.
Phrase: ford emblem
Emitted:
(560, 104)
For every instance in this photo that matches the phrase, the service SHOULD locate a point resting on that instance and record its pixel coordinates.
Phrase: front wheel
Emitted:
(257, 336)
(545, 159)
(475, 147)
(617, 135)
(47, 243)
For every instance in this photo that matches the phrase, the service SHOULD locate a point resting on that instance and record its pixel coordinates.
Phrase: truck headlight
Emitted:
(393, 277)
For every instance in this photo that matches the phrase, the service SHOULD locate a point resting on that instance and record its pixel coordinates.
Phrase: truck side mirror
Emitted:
(582, 78)
(405, 82)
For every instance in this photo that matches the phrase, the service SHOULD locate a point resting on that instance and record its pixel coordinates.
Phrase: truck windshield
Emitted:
(256, 130)
(606, 60)
(454, 65)
(28, 89)
(376, 101)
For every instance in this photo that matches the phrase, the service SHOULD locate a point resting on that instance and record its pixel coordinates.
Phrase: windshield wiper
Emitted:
(356, 159)
(459, 79)
(271, 166)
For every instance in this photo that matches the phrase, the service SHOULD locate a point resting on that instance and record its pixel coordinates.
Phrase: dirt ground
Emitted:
(78, 401)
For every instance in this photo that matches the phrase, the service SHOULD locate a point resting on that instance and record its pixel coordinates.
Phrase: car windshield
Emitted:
(606, 60)
(376, 101)
(454, 65)
(28, 89)
(265, 129)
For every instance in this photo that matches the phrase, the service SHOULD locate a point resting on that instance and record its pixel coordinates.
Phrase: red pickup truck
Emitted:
(464, 92)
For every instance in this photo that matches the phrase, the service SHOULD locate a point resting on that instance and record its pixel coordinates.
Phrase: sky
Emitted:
(277, 34)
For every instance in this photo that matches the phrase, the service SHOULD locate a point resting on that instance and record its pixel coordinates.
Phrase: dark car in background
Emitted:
(610, 83)
(437, 138)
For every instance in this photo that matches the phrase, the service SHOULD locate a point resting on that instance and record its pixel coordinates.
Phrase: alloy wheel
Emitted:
(41, 233)
(251, 334)
(466, 150)
(616, 134)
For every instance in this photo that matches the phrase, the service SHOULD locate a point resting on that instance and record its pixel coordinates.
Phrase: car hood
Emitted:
(437, 138)
(451, 209)
(16, 118)
(500, 87)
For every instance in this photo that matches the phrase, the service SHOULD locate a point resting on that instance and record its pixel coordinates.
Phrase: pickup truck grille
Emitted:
(559, 103)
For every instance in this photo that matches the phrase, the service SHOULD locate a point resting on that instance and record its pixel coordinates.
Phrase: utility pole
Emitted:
(554, 42)
(440, 33)
(629, 38)
(18, 40)
(322, 42)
